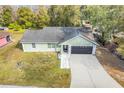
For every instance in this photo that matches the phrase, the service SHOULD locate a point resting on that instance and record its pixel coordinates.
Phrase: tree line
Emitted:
(107, 19)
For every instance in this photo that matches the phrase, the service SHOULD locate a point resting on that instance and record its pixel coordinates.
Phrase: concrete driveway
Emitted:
(87, 72)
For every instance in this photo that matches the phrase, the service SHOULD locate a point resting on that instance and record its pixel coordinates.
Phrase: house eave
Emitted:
(92, 41)
(82, 37)
(37, 42)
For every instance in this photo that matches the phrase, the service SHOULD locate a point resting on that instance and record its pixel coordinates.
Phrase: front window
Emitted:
(33, 45)
(50, 45)
(58, 46)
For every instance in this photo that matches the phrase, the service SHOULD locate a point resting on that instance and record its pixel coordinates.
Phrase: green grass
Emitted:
(120, 49)
(13, 31)
(30, 69)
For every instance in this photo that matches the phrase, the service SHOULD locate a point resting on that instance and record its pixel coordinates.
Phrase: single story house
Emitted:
(4, 28)
(66, 40)
(4, 38)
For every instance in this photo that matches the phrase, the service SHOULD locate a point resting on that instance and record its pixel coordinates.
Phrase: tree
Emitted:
(15, 26)
(55, 13)
(6, 15)
(42, 17)
(64, 15)
(71, 16)
(25, 17)
(105, 18)
(119, 18)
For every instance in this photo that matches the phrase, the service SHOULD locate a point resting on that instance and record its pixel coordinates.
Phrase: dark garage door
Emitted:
(81, 49)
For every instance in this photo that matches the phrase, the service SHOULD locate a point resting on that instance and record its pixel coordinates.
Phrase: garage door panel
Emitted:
(81, 49)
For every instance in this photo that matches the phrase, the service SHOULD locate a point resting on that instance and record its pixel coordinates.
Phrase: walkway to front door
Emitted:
(64, 61)
(87, 72)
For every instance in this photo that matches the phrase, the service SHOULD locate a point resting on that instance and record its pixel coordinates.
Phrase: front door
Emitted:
(65, 48)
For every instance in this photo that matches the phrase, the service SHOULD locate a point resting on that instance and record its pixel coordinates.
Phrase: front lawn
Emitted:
(30, 69)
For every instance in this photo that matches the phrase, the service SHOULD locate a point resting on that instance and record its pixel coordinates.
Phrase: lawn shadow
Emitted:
(19, 45)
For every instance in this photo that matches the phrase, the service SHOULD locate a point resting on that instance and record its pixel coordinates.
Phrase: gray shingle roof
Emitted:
(54, 34)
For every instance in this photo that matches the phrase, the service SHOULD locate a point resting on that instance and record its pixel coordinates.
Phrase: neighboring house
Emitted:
(4, 38)
(4, 28)
(66, 40)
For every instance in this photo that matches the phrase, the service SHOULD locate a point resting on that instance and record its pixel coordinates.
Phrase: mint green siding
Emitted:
(39, 47)
(78, 41)
(46, 47)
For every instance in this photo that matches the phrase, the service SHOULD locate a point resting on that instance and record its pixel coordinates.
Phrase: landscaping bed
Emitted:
(30, 69)
(112, 64)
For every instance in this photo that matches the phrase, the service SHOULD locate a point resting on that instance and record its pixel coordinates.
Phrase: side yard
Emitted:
(112, 64)
(30, 69)
(120, 49)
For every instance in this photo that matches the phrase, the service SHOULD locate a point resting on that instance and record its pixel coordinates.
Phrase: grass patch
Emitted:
(13, 31)
(30, 69)
(120, 49)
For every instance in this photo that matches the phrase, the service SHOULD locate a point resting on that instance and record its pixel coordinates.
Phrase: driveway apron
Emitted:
(87, 72)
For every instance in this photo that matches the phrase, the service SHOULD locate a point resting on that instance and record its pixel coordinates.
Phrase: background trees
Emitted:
(107, 19)
(41, 17)
(71, 16)
(56, 15)
(25, 17)
(64, 16)
(6, 15)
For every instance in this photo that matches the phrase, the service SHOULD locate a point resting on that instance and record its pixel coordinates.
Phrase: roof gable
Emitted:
(79, 40)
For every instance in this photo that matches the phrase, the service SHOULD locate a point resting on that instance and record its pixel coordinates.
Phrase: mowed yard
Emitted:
(111, 64)
(30, 69)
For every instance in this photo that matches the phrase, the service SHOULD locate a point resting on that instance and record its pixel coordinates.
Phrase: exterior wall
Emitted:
(43, 47)
(40, 47)
(3, 41)
(77, 41)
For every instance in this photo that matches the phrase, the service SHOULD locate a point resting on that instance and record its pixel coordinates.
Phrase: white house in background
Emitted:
(66, 40)
(4, 28)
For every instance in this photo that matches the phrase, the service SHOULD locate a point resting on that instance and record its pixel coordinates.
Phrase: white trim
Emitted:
(68, 40)
(94, 49)
(38, 42)
(61, 49)
(88, 39)
(23, 47)
(69, 50)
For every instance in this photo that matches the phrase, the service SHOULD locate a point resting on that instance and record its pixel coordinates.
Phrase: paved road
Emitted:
(87, 72)
(13, 86)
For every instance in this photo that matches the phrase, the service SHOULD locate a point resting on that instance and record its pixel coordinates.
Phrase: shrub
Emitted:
(15, 26)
